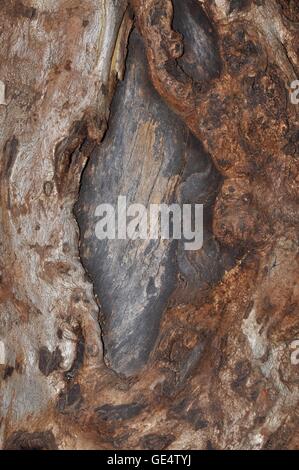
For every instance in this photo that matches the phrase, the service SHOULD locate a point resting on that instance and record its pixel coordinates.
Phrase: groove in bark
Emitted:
(155, 159)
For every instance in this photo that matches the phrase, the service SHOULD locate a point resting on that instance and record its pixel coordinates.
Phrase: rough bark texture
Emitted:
(142, 346)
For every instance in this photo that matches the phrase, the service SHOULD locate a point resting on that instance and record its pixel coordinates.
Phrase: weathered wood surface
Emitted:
(219, 374)
(151, 157)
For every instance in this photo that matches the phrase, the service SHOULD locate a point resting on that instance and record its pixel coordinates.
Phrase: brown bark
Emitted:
(207, 115)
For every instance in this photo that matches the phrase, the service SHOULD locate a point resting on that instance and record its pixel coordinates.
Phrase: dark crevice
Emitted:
(147, 145)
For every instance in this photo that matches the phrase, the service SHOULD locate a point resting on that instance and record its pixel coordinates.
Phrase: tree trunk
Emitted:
(141, 345)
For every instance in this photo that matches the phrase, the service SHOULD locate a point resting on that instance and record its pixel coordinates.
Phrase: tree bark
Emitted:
(133, 345)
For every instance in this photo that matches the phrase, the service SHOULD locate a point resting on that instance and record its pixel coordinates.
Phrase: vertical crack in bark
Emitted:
(154, 159)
